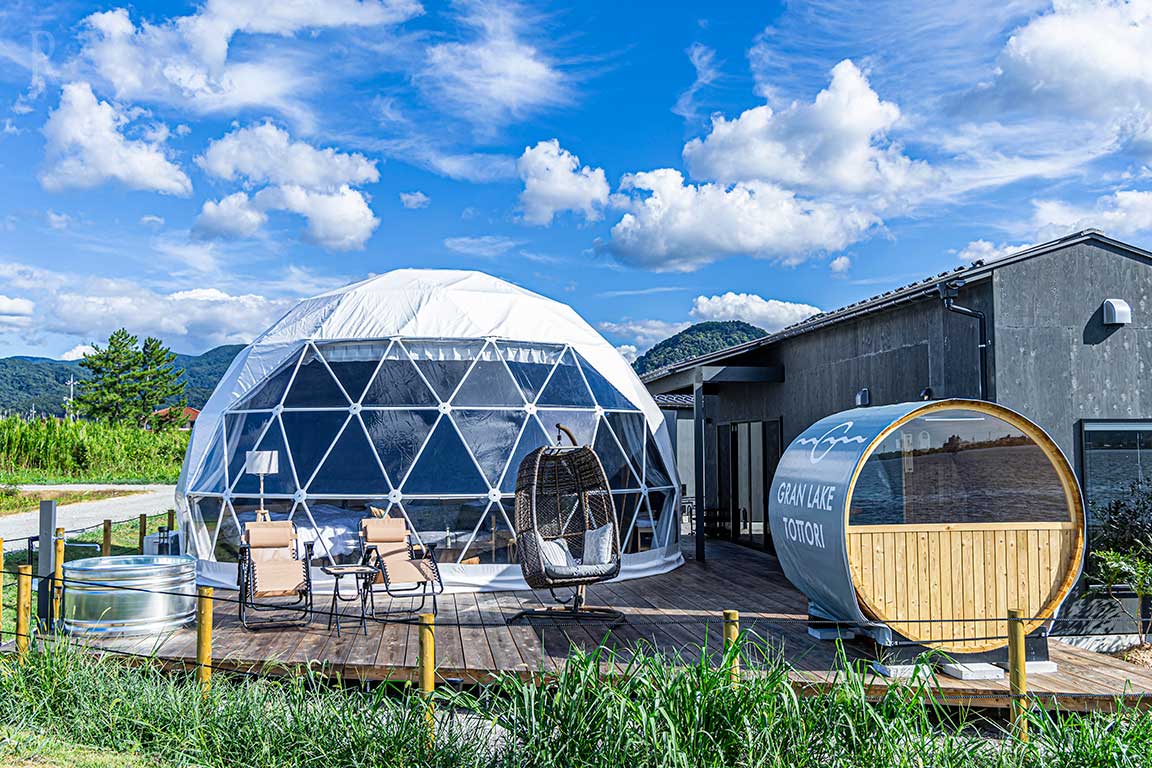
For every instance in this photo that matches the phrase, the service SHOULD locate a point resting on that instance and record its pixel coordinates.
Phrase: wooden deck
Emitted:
(678, 613)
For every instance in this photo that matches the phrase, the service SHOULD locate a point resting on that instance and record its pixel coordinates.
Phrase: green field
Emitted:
(61, 451)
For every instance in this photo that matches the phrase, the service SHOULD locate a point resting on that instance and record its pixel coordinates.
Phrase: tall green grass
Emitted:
(655, 715)
(58, 450)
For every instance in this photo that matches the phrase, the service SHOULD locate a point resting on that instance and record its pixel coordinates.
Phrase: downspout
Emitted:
(948, 292)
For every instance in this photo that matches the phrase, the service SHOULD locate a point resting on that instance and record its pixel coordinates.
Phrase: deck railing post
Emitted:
(58, 578)
(428, 661)
(23, 609)
(1, 588)
(171, 521)
(1017, 674)
(731, 652)
(106, 542)
(143, 530)
(204, 637)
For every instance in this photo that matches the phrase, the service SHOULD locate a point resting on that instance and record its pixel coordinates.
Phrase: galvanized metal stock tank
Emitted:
(129, 594)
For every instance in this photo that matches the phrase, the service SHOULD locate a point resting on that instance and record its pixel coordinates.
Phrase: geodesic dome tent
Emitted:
(419, 392)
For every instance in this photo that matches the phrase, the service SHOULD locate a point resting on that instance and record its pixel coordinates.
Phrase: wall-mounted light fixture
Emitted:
(863, 398)
(1117, 312)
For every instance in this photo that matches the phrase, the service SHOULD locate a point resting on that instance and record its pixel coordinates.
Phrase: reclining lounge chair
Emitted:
(403, 572)
(270, 569)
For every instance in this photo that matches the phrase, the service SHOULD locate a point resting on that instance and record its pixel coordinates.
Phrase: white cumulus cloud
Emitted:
(769, 314)
(414, 200)
(703, 61)
(986, 250)
(266, 154)
(673, 226)
(185, 61)
(840, 264)
(15, 312)
(644, 333)
(554, 181)
(78, 352)
(629, 352)
(1122, 213)
(299, 178)
(86, 147)
(838, 144)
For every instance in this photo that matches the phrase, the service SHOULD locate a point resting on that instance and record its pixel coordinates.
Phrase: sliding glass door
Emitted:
(749, 453)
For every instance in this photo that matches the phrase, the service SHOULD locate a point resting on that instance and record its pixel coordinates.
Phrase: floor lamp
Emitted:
(262, 463)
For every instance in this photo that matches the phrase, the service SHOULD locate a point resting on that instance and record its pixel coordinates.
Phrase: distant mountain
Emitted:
(41, 382)
(699, 339)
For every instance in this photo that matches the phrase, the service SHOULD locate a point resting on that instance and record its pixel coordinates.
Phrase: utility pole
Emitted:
(71, 398)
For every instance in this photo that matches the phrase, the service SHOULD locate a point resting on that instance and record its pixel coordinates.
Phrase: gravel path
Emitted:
(157, 498)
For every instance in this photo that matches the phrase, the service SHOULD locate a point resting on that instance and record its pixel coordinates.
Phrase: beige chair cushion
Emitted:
(278, 578)
(408, 571)
(384, 530)
(281, 533)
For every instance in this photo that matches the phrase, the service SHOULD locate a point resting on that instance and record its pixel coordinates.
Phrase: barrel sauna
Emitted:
(932, 519)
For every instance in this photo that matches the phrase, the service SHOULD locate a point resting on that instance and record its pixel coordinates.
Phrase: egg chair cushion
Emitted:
(598, 545)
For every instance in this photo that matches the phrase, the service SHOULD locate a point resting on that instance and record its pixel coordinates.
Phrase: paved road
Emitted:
(157, 498)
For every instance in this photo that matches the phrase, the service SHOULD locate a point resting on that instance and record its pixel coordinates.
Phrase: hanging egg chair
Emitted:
(566, 530)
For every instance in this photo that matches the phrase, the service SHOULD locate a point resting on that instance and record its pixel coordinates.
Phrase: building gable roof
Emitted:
(977, 270)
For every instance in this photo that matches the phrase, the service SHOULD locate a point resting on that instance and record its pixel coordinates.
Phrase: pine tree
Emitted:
(129, 382)
(161, 384)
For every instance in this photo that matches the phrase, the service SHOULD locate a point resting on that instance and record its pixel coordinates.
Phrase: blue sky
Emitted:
(190, 170)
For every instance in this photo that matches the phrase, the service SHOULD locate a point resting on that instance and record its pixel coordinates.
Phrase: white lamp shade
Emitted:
(262, 462)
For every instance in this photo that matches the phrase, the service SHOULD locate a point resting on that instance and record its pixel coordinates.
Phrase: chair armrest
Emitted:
(370, 552)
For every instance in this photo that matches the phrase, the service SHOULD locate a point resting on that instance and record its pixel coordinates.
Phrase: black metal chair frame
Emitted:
(246, 577)
(424, 589)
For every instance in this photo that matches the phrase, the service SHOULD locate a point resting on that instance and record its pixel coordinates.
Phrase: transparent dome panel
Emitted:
(309, 435)
(315, 386)
(270, 393)
(566, 385)
(398, 383)
(443, 363)
(445, 466)
(211, 476)
(446, 523)
(616, 467)
(488, 383)
(655, 473)
(957, 466)
(351, 467)
(532, 436)
(492, 542)
(398, 437)
(607, 396)
(491, 435)
(242, 430)
(631, 431)
(333, 524)
(282, 481)
(582, 424)
(530, 365)
(354, 363)
(206, 513)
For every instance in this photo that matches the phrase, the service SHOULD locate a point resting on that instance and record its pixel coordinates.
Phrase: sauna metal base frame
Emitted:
(896, 652)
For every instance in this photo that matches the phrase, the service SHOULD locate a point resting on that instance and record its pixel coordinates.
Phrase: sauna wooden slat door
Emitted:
(953, 584)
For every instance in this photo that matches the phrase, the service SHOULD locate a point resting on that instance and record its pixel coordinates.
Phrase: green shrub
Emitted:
(53, 450)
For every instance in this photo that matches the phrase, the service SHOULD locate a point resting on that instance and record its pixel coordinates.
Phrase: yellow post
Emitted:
(204, 637)
(143, 530)
(731, 632)
(428, 660)
(1, 587)
(1017, 674)
(58, 576)
(106, 544)
(23, 609)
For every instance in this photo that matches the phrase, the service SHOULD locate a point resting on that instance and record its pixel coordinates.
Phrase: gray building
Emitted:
(1068, 343)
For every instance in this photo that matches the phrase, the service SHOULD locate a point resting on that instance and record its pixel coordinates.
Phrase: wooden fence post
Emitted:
(1017, 674)
(23, 609)
(731, 633)
(106, 543)
(143, 530)
(58, 577)
(171, 521)
(204, 637)
(427, 661)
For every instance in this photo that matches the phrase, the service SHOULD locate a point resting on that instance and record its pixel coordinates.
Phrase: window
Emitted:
(1116, 454)
(957, 466)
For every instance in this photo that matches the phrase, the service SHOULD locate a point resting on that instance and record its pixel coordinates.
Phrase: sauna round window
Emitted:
(956, 515)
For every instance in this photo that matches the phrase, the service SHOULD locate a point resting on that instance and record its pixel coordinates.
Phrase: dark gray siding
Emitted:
(1058, 362)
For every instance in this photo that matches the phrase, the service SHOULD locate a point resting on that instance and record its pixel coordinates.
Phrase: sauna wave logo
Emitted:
(823, 445)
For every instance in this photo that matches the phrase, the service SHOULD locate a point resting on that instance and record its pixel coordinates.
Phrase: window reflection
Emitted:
(957, 467)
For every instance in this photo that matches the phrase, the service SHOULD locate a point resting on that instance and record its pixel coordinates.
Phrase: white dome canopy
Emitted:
(495, 367)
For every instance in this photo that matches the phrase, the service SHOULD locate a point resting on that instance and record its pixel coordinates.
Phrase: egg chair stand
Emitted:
(566, 531)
